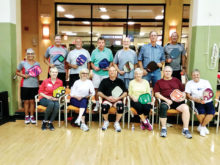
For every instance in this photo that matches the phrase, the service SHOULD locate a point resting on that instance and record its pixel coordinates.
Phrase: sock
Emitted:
(185, 129)
(31, 116)
(164, 127)
(27, 116)
(145, 121)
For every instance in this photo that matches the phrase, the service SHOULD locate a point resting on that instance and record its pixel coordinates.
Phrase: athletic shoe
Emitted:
(50, 126)
(44, 126)
(77, 122)
(32, 119)
(199, 128)
(202, 132)
(148, 125)
(27, 120)
(163, 133)
(96, 108)
(187, 134)
(105, 125)
(206, 131)
(117, 127)
(84, 127)
(142, 126)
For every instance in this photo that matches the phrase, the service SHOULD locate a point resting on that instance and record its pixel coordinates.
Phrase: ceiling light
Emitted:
(70, 33)
(105, 17)
(162, 11)
(60, 9)
(159, 17)
(102, 9)
(130, 23)
(69, 16)
(141, 33)
(86, 22)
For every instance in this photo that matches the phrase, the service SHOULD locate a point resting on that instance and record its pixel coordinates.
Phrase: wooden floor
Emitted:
(28, 145)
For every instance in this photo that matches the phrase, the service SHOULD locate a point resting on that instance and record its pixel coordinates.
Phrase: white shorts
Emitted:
(96, 80)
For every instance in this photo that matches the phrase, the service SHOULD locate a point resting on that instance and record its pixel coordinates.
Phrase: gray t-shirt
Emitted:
(122, 57)
(73, 55)
(30, 82)
(176, 62)
(57, 57)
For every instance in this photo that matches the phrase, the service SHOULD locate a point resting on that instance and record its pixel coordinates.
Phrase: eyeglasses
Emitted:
(30, 53)
(85, 73)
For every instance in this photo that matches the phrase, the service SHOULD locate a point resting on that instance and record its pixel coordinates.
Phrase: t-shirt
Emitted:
(98, 56)
(138, 88)
(122, 57)
(73, 55)
(196, 89)
(107, 85)
(166, 87)
(30, 82)
(57, 57)
(176, 62)
(82, 88)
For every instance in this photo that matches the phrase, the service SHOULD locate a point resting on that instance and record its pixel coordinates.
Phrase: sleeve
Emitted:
(181, 86)
(73, 89)
(148, 87)
(92, 90)
(20, 66)
(102, 86)
(130, 89)
(187, 88)
(66, 54)
(184, 50)
(116, 58)
(166, 52)
(42, 87)
(68, 58)
(157, 87)
(111, 55)
(88, 56)
(123, 86)
(162, 55)
(135, 58)
(93, 56)
(47, 54)
(141, 54)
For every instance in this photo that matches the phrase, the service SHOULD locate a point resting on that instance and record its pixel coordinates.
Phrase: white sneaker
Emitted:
(105, 125)
(77, 122)
(84, 127)
(202, 132)
(117, 127)
(199, 128)
(206, 131)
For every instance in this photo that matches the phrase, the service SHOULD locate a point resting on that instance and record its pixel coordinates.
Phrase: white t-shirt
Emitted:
(82, 88)
(195, 89)
(73, 55)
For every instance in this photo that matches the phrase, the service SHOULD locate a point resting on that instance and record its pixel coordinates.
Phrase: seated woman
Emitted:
(29, 85)
(194, 90)
(137, 87)
(81, 90)
(46, 98)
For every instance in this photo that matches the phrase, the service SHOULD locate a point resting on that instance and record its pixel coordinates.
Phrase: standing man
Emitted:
(175, 54)
(125, 61)
(148, 53)
(55, 56)
(105, 91)
(101, 60)
(77, 60)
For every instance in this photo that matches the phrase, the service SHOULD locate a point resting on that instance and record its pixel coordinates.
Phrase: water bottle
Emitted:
(132, 127)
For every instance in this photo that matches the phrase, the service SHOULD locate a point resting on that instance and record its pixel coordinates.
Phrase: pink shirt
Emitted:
(47, 87)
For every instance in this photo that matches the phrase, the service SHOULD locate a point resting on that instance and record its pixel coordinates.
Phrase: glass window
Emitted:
(74, 11)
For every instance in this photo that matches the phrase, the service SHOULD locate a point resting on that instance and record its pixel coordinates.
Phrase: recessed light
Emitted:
(69, 33)
(141, 33)
(102, 9)
(130, 23)
(158, 17)
(105, 17)
(69, 16)
(162, 11)
(60, 9)
(86, 22)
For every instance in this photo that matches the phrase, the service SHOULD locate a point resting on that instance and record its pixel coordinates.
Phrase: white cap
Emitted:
(29, 50)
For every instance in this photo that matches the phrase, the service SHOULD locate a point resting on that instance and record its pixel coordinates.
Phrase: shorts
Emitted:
(206, 108)
(96, 79)
(79, 103)
(28, 93)
(174, 105)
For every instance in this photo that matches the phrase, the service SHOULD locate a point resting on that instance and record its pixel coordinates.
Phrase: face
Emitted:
(57, 40)
(30, 56)
(112, 72)
(84, 75)
(126, 43)
(153, 37)
(167, 73)
(53, 74)
(138, 75)
(78, 43)
(196, 76)
(174, 37)
(101, 44)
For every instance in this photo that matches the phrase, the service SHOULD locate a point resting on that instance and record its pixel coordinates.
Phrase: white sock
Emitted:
(145, 121)
(27, 116)
(185, 129)
(164, 127)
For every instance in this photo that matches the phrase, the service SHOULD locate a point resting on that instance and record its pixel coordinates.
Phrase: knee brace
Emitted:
(163, 110)
(105, 108)
(120, 108)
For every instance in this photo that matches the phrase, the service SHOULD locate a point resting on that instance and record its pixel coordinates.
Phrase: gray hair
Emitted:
(53, 69)
(195, 70)
(138, 70)
(84, 70)
(168, 67)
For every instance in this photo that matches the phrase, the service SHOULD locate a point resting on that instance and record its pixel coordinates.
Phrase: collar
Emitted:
(103, 49)
(156, 46)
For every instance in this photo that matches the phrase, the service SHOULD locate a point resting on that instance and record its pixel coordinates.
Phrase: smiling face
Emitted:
(174, 38)
(112, 73)
(101, 44)
(53, 73)
(57, 40)
(196, 76)
(30, 56)
(153, 37)
(126, 43)
(138, 75)
(167, 72)
(78, 43)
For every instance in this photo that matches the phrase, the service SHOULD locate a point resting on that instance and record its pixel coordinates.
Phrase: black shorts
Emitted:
(73, 78)
(28, 93)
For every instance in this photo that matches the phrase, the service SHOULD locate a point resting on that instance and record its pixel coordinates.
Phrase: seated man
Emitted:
(163, 88)
(205, 109)
(107, 92)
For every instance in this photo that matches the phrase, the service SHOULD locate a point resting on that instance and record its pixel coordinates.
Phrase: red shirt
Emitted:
(166, 87)
(47, 87)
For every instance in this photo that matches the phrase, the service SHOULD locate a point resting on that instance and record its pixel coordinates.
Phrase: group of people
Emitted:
(113, 78)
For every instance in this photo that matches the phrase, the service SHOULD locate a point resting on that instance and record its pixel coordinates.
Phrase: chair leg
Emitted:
(65, 116)
(177, 119)
(217, 126)
(153, 119)
(123, 120)
(59, 118)
(100, 117)
(192, 121)
(159, 124)
(36, 115)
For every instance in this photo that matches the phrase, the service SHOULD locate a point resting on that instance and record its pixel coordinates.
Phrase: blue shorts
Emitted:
(80, 104)
(207, 108)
